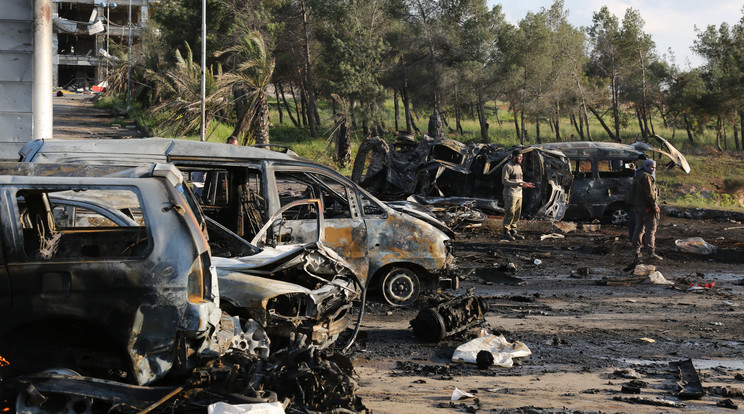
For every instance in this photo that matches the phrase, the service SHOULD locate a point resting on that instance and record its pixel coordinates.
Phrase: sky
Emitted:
(670, 23)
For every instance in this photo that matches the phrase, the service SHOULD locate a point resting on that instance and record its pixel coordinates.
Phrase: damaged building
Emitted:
(86, 31)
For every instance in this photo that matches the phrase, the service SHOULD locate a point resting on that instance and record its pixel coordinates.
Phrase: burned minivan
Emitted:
(448, 171)
(242, 187)
(104, 271)
(603, 175)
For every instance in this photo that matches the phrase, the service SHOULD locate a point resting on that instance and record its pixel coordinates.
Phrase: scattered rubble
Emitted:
(449, 316)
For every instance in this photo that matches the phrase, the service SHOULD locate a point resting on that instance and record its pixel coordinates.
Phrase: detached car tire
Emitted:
(400, 287)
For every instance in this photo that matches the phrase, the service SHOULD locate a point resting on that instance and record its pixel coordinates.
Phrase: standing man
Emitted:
(643, 199)
(511, 178)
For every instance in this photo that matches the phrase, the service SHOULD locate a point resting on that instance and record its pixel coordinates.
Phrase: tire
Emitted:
(400, 287)
(619, 215)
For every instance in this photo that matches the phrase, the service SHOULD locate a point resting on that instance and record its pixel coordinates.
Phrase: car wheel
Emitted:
(400, 287)
(53, 403)
(619, 215)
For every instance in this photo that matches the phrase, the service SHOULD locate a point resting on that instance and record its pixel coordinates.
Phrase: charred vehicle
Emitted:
(448, 171)
(242, 187)
(87, 288)
(603, 175)
(299, 292)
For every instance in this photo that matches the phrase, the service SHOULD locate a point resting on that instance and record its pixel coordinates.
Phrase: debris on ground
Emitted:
(695, 245)
(700, 287)
(502, 350)
(459, 394)
(688, 381)
(448, 316)
(727, 403)
(659, 402)
(564, 227)
(552, 236)
(658, 279)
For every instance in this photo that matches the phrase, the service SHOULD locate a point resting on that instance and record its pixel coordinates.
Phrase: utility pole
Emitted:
(202, 130)
(129, 59)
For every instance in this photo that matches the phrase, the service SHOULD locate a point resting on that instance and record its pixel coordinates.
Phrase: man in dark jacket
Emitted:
(643, 199)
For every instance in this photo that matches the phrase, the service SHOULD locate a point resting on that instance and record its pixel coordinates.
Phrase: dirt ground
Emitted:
(582, 315)
(76, 118)
(580, 312)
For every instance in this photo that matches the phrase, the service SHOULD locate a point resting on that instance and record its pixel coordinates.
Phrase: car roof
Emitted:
(122, 151)
(73, 170)
(591, 149)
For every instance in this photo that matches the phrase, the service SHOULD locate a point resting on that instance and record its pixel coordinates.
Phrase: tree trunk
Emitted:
(736, 136)
(538, 138)
(297, 104)
(640, 122)
(558, 121)
(496, 114)
(278, 105)
(286, 105)
(306, 117)
(688, 127)
(524, 130)
(241, 111)
(516, 121)
(397, 109)
(615, 110)
(407, 110)
(482, 117)
(718, 133)
(586, 121)
(309, 83)
(578, 125)
(602, 122)
(741, 122)
(343, 145)
(260, 122)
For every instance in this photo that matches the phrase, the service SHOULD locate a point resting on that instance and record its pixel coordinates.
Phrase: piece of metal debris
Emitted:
(659, 402)
(688, 380)
(449, 316)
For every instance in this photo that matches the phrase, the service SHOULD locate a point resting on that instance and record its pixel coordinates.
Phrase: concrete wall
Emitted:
(16, 56)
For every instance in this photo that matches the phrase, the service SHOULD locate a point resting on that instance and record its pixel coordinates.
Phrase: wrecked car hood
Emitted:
(248, 291)
(666, 148)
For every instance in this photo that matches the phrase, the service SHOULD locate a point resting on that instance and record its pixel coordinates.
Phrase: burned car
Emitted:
(448, 171)
(603, 175)
(242, 187)
(127, 298)
(294, 291)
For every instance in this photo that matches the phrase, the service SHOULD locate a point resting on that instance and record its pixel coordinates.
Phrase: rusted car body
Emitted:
(241, 187)
(130, 299)
(448, 171)
(603, 175)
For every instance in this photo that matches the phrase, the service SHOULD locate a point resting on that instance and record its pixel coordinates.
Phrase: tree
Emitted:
(177, 95)
(248, 83)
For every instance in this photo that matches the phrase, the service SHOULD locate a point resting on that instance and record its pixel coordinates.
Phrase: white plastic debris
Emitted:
(260, 408)
(658, 279)
(537, 262)
(643, 270)
(502, 351)
(458, 394)
(695, 245)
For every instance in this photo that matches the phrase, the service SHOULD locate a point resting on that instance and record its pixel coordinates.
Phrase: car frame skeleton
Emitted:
(242, 187)
(450, 172)
(603, 175)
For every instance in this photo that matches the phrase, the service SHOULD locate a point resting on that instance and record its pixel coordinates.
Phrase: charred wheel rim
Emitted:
(400, 287)
(54, 403)
(619, 216)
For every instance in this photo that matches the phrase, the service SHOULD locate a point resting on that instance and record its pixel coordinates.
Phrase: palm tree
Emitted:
(177, 96)
(248, 83)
